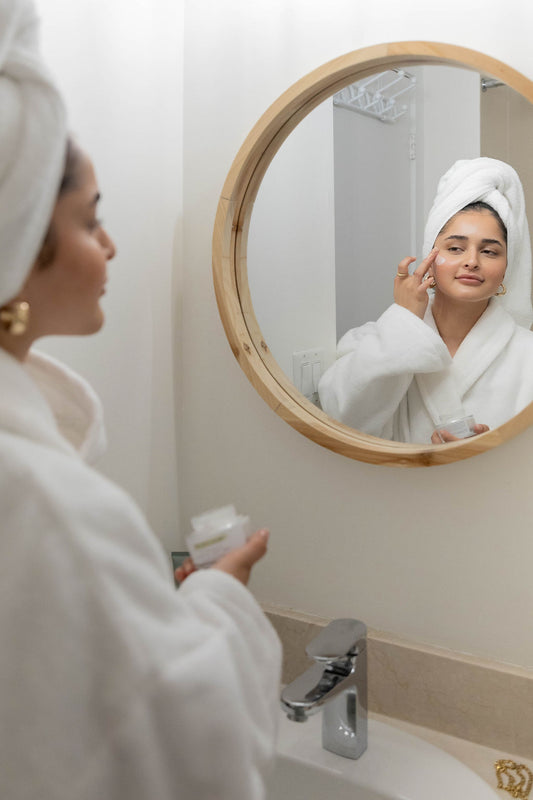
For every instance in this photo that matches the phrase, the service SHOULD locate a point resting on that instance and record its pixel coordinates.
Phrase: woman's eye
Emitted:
(454, 249)
(490, 252)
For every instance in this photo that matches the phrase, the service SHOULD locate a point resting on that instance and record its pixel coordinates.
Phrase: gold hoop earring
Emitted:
(15, 317)
(433, 284)
(502, 292)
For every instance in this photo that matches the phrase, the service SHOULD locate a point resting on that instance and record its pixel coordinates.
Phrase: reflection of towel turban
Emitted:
(497, 184)
(32, 145)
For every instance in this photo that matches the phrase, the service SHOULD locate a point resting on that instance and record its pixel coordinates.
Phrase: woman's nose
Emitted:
(108, 244)
(471, 259)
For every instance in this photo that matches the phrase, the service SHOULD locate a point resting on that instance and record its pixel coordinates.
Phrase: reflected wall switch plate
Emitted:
(307, 367)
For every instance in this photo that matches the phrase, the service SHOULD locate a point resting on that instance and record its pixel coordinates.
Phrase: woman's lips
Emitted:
(470, 279)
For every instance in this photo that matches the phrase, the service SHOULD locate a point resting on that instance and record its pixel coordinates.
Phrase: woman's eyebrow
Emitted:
(465, 239)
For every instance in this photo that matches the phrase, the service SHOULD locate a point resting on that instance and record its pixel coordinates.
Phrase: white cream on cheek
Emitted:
(440, 260)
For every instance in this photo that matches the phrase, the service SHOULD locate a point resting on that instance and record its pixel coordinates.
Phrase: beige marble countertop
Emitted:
(480, 759)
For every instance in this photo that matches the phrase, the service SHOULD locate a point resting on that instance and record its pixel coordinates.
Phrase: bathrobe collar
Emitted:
(443, 391)
(46, 402)
(481, 346)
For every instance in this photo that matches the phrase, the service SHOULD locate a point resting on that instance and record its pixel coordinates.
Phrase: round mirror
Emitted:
(340, 174)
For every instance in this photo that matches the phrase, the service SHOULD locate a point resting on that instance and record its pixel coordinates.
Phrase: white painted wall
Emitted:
(372, 213)
(120, 66)
(440, 555)
(291, 244)
(450, 124)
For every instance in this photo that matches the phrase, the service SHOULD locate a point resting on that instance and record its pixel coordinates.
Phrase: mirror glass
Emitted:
(347, 195)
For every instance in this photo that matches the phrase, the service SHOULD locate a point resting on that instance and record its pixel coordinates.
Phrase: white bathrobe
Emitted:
(113, 685)
(395, 378)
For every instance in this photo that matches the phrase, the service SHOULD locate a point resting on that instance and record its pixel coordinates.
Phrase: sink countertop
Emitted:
(479, 758)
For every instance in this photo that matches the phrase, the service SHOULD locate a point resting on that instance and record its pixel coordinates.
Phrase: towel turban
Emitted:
(32, 145)
(496, 183)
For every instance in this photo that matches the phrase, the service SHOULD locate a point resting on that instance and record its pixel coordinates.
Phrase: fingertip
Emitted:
(259, 537)
(258, 542)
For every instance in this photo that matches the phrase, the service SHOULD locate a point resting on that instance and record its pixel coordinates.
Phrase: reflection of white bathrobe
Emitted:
(395, 378)
(113, 685)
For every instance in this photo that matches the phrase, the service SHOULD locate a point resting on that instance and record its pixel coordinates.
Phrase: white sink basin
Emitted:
(396, 766)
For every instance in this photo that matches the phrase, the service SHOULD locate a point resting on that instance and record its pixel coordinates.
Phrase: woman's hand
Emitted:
(238, 563)
(441, 436)
(411, 290)
(184, 570)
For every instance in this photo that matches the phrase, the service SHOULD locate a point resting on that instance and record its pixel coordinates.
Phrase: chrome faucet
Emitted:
(337, 681)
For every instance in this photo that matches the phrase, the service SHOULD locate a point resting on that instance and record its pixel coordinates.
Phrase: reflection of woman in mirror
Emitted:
(465, 354)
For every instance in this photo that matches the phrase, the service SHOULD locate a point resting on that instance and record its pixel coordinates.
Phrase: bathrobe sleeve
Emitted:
(121, 686)
(375, 366)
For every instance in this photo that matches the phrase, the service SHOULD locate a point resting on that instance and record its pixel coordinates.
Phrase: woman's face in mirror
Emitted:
(472, 257)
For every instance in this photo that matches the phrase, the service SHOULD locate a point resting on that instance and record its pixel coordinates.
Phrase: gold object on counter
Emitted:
(514, 778)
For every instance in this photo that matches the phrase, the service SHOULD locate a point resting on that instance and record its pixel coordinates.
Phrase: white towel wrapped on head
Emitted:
(496, 183)
(32, 145)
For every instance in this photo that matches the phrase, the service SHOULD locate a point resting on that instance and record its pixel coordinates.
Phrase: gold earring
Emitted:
(502, 292)
(433, 284)
(15, 317)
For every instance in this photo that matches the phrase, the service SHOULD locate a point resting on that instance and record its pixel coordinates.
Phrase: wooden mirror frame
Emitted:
(230, 243)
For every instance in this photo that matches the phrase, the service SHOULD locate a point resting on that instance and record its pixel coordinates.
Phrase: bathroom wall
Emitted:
(120, 67)
(441, 555)
(291, 244)
(506, 122)
(450, 124)
(374, 197)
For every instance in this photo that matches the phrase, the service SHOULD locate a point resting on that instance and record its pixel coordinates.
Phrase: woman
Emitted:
(112, 684)
(462, 353)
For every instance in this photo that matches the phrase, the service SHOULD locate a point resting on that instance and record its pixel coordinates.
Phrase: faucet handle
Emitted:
(339, 639)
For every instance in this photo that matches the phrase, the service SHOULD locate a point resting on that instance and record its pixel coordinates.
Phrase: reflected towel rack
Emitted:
(490, 83)
(378, 95)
